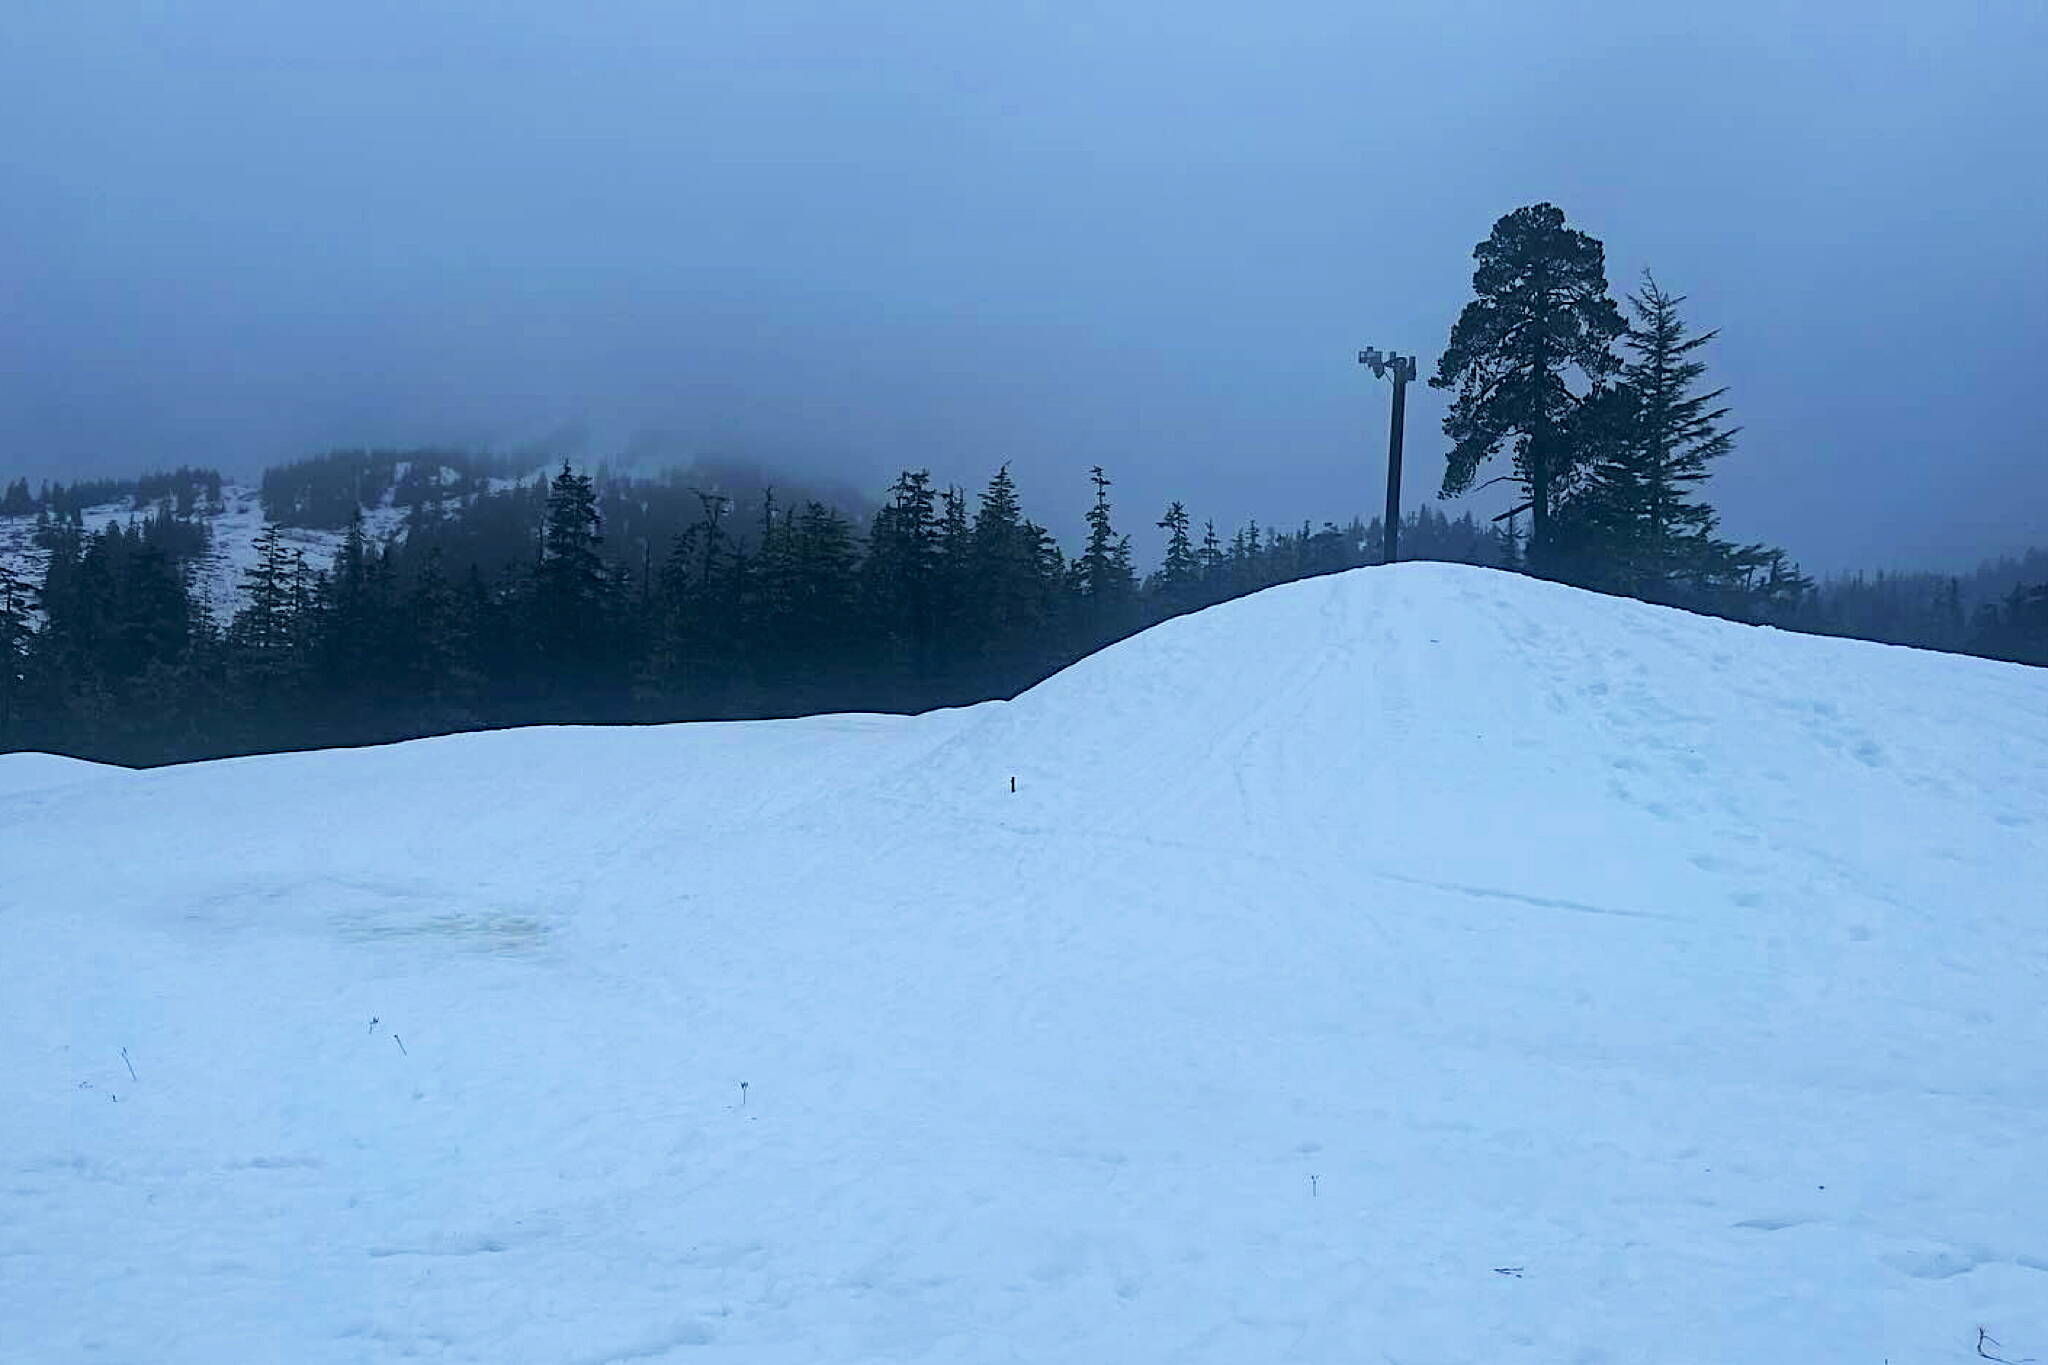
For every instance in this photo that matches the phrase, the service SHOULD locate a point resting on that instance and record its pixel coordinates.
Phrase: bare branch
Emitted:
(1985, 1338)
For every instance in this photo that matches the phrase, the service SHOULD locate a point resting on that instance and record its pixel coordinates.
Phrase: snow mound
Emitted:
(1414, 964)
(22, 773)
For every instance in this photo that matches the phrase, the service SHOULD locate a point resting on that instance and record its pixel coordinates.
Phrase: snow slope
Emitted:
(233, 526)
(1422, 965)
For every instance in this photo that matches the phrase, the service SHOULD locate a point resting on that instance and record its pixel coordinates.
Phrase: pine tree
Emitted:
(1541, 311)
(1103, 575)
(1645, 530)
(957, 620)
(575, 600)
(824, 628)
(1012, 600)
(900, 579)
(432, 670)
(1215, 564)
(1180, 574)
(16, 602)
(265, 625)
(1677, 433)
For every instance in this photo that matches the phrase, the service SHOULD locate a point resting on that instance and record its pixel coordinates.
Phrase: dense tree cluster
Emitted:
(1610, 447)
(770, 609)
(184, 490)
(326, 491)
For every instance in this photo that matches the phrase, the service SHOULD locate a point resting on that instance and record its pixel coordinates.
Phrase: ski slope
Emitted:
(233, 527)
(1418, 965)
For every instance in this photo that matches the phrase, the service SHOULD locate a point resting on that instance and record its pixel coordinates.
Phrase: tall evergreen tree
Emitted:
(1540, 313)
(1103, 574)
(901, 572)
(1010, 599)
(574, 597)
(265, 624)
(1640, 506)
(1180, 574)
(823, 625)
(957, 619)
(16, 602)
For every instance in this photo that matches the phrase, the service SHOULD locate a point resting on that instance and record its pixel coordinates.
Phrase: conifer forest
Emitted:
(590, 597)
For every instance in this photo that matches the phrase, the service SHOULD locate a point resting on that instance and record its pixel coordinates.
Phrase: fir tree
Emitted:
(16, 602)
(1012, 598)
(1103, 575)
(1215, 564)
(1180, 575)
(900, 574)
(265, 624)
(1641, 504)
(1541, 311)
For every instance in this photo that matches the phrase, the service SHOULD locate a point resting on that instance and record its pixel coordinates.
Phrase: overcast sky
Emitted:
(1152, 235)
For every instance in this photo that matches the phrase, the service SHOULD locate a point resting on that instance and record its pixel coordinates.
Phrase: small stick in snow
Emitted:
(374, 1021)
(1984, 1338)
(131, 1067)
(743, 1094)
(401, 1044)
(1312, 1185)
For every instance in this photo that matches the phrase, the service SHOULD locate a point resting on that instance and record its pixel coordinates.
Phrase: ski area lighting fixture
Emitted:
(1402, 369)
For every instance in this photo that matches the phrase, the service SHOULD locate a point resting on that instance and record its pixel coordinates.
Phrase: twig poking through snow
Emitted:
(743, 1094)
(374, 1021)
(1312, 1185)
(1985, 1338)
(131, 1067)
(401, 1044)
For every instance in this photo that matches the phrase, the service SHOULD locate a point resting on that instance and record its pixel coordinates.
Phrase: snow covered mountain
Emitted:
(232, 527)
(1420, 964)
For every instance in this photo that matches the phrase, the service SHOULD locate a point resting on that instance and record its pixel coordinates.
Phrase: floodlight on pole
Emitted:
(1401, 368)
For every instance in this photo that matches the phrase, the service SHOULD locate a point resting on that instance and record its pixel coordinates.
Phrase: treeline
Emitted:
(941, 598)
(188, 491)
(754, 609)
(592, 598)
(324, 492)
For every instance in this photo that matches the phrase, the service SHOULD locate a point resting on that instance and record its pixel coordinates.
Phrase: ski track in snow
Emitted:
(1419, 965)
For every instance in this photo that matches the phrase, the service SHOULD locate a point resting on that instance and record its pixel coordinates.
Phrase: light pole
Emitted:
(1402, 368)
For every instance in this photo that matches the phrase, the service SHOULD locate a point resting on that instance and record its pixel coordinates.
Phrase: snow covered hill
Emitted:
(233, 527)
(1422, 965)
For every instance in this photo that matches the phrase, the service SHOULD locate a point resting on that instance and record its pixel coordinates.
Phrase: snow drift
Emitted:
(1422, 964)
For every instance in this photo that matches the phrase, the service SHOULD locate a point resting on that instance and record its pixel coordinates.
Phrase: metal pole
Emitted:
(1403, 368)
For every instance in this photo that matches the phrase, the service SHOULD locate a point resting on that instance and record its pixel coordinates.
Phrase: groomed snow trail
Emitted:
(1420, 965)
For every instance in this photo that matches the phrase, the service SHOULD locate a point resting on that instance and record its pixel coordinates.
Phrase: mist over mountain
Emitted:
(1151, 237)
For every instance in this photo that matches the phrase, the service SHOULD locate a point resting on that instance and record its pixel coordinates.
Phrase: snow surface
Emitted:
(24, 773)
(233, 527)
(1420, 964)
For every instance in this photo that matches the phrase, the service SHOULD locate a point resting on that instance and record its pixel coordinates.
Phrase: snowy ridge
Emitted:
(234, 525)
(1418, 964)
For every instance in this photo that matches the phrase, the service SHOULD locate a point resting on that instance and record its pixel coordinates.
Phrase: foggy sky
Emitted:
(1151, 235)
